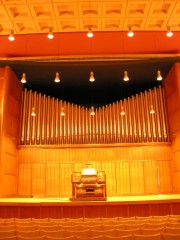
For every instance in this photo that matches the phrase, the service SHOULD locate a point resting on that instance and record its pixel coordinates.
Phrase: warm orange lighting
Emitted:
(126, 78)
(130, 32)
(92, 112)
(91, 79)
(159, 76)
(152, 109)
(50, 34)
(90, 34)
(57, 79)
(169, 32)
(11, 36)
(33, 113)
(62, 112)
(122, 113)
(23, 79)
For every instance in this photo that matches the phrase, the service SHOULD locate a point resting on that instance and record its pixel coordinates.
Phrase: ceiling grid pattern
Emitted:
(36, 16)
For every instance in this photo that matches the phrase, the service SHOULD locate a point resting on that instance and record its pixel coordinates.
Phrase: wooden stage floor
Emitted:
(123, 206)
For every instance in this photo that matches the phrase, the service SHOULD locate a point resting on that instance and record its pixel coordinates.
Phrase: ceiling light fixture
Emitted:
(152, 109)
(122, 113)
(62, 112)
(57, 79)
(130, 32)
(50, 34)
(92, 112)
(91, 79)
(126, 78)
(159, 76)
(33, 113)
(23, 79)
(169, 33)
(90, 33)
(11, 36)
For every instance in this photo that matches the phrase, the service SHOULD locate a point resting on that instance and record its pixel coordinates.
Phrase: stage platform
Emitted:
(123, 206)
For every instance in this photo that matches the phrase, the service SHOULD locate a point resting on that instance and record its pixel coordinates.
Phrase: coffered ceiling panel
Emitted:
(36, 16)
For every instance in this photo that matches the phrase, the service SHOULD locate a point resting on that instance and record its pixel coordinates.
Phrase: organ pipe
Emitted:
(107, 126)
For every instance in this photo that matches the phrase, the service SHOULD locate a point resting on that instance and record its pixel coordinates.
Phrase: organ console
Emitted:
(89, 185)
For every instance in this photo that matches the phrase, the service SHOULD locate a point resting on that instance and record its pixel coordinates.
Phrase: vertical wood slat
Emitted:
(107, 126)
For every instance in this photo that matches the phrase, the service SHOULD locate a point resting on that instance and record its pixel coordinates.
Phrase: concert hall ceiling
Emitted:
(71, 53)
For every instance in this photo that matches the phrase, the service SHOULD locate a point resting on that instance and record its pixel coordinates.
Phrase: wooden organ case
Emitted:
(88, 185)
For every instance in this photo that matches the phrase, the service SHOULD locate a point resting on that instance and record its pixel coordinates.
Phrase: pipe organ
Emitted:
(109, 124)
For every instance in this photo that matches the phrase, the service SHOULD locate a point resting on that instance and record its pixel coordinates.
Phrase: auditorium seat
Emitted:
(147, 237)
(10, 233)
(103, 219)
(95, 227)
(161, 217)
(103, 233)
(48, 228)
(170, 236)
(26, 228)
(8, 238)
(25, 223)
(173, 225)
(133, 226)
(110, 227)
(74, 219)
(158, 221)
(18, 220)
(70, 228)
(91, 223)
(143, 218)
(128, 237)
(40, 219)
(8, 228)
(125, 232)
(58, 220)
(85, 233)
(172, 230)
(147, 231)
(31, 238)
(90, 238)
(63, 238)
(54, 234)
(92, 219)
(154, 225)
(44, 223)
(35, 233)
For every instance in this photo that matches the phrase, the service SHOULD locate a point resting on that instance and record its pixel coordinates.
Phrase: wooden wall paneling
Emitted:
(165, 181)
(151, 183)
(52, 180)
(25, 180)
(122, 178)
(38, 179)
(95, 211)
(160, 209)
(111, 178)
(137, 177)
(65, 179)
